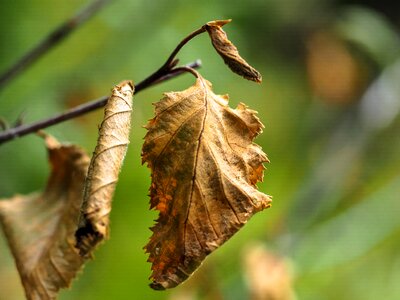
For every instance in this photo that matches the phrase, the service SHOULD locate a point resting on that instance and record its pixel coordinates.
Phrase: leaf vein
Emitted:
(175, 133)
(195, 162)
(220, 174)
(207, 210)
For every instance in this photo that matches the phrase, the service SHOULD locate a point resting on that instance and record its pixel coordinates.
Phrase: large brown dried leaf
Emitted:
(40, 228)
(229, 52)
(104, 169)
(204, 173)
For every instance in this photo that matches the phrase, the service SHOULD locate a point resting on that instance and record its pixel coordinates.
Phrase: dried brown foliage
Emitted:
(40, 228)
(229, 52)
(204, 168)
(104, 169)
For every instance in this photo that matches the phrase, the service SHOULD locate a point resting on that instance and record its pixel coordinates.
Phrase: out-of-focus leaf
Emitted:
(268, 275)
(357, 23)
(40, 228)
(205, 167)
(329, 60)
(229, 52)
(380, 105)
(104, 169)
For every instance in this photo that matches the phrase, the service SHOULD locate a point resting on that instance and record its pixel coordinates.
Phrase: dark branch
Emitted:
(171, 61)
(22, 130)
(165, 72)
(51, 40)
(187, 69)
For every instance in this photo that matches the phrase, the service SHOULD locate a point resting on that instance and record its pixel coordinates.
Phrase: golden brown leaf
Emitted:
(229, 52)
(104, 169)
(330, 60)
(204, 172)
(40, 228)
(268, 276)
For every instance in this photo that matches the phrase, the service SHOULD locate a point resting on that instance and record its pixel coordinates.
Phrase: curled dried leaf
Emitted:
(204, 169)
(104, 169)
(40, 228)
(229, 52)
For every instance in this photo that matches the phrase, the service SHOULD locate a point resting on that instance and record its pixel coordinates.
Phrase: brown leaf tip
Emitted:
(126, 88)
(158, 286)
(219, 23)
(50, 141)
(87, 238)
(229, 53)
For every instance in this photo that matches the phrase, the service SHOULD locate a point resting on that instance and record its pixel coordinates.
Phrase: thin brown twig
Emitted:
(22, 130)
(165, 72)
(188, 69)
(56, 36)
(171, 62)
(178, 70)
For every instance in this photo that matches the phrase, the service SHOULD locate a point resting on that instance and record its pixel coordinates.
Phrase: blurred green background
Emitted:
(330, 101)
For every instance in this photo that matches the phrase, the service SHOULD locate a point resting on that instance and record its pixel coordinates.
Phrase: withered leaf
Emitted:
(104, 169)
(204, 168)
(40, 228)
(229, 52)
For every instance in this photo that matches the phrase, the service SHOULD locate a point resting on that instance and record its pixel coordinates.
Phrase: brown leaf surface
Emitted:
(40, 228)
(104, 169)
(229, 52)
(204, 173)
